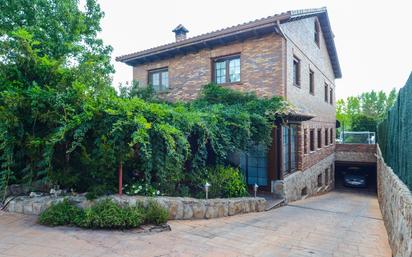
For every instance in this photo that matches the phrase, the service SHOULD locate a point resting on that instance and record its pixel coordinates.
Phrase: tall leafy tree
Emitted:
(51, 60)
(364, 112)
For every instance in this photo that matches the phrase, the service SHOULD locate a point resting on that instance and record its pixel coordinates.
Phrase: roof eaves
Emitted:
(207, 36)
(329, 36)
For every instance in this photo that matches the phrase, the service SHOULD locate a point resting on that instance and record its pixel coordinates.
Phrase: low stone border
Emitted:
(179, 208)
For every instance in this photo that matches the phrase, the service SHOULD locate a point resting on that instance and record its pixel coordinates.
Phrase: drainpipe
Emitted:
(280, 29)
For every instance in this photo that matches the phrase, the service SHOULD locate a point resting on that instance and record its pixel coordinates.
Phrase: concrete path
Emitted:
(335, 224)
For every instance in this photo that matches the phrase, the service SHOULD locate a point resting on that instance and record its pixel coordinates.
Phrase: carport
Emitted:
(368, 170)
(357, 160)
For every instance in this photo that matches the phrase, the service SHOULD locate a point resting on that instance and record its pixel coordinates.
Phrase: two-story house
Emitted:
(292, 55)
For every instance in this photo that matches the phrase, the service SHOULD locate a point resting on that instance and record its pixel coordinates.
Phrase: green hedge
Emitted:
(395, 137)
(105, 214)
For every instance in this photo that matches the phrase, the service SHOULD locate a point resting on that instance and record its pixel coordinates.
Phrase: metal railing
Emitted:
(356, 137)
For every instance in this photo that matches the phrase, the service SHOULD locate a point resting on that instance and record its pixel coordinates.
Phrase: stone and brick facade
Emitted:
(261, 68)
(269, 50)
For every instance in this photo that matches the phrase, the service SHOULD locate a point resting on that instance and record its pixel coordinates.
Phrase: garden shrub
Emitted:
(224, 182)
(155, 213)
(59, 214)
(105, 214)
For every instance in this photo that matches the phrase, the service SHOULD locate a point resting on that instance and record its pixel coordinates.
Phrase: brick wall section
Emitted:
(313, 157)
(356, 153)
(261, 68)
(363, 148)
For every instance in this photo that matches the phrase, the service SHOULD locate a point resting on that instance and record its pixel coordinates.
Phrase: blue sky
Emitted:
(373, 38)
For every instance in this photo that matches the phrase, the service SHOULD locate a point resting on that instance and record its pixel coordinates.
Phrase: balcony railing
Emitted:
(356, 137)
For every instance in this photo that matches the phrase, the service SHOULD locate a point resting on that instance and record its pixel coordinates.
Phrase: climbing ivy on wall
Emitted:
(63, 124)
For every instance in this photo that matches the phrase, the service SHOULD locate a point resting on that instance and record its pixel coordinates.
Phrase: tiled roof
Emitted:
(248, 29)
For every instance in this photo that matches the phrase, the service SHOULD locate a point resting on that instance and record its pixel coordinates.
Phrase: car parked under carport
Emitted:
(355, 175)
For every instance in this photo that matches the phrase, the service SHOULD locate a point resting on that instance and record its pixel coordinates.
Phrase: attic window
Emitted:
(317, 33)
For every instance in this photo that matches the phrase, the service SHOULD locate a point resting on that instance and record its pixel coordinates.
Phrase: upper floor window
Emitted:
(159, 79)
(319, 138)
(317, 33)
(326, 136)
(227, 69)
(296, 72)
(312, 140)
(305, 141)
(326, 92)
(331, 136)
(331, 96)
(311, 82)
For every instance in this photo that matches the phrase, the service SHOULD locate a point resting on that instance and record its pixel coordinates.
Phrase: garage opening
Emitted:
(357, 177)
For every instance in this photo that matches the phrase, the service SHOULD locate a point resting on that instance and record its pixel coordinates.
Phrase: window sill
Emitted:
(296, 85)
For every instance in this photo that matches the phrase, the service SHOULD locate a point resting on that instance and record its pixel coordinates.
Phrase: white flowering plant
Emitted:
(141, 188)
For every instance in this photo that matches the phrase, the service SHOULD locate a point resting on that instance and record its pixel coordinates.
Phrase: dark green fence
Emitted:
(395, 135)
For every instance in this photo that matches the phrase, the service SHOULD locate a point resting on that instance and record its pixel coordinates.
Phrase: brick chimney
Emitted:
(180, 32)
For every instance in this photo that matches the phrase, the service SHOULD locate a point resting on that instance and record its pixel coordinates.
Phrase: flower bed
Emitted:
(178, 207)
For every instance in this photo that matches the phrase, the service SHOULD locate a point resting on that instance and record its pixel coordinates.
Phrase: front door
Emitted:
(254, 164)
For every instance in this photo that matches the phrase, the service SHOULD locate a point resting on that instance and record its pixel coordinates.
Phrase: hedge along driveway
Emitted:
(335, 224)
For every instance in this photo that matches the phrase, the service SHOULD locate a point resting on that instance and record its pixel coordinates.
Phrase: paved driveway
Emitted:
(334, 224)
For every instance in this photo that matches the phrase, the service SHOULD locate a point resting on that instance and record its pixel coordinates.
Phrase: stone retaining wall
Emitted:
(179, 207)
(302, 184)
(395, 201)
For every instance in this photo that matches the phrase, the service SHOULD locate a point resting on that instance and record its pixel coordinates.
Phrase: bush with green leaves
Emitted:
(224, 182)
(155, 213)
(105, 214)
(59, 214)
